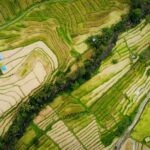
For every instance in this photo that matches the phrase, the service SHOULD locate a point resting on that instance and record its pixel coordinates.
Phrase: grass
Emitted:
(28, 137)
(67, 106)
(33, 141)
(141, 130)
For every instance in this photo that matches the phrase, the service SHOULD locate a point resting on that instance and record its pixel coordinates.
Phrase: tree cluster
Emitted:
(108, 138)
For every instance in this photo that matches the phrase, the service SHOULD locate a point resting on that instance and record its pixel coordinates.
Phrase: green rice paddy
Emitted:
(105, 103)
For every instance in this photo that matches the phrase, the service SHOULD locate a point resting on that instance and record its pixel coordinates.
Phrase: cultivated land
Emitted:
(46, 49)
(130, 144)
(96, 110)
(40, 38)
(143, 126)
(27, 69)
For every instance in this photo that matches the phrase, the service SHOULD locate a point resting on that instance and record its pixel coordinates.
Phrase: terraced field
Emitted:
(27, 68)
(94, 115)
(143, 125)
(10, 9)
(38, 42)
(68, 32)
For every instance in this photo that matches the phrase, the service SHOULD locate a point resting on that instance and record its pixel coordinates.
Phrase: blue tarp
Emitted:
(4, 68)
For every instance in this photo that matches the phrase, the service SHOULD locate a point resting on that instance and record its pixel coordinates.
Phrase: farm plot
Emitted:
(61, 26)
(143, 125)
(78, 119)
(104, 104)
(9, 10)
(62, 136)
(33, 139)
(120, 94)
(110, 73)
(131, 144)
(46, 117)
(62, 33)
(26, 33)
(27, 69)
(79, 21)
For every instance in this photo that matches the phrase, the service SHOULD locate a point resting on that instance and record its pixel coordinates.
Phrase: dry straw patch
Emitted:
(27, 69)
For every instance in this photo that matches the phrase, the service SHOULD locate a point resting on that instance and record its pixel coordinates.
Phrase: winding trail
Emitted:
(137, 117)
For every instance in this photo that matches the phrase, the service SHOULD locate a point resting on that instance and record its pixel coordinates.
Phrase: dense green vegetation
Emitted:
(108, 137)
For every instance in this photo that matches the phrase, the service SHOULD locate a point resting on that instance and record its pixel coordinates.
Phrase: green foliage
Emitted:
(108, 137)
(114, 61)
(147, 19)
(94, 41)
(64, 34)
(1, 73)
(123, 125)
(1, 143)
(107, 35)
(140, 8)
(136, 15)
(148, 72)
(98, 40)
(145, 56)
(75, 85)
(74, 53)
(136, 3)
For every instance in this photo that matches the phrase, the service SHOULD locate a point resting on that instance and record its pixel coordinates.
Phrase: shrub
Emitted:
(107, 138)
(114, 61)
(123, 125)
(148, 72)
(107, 35)
(94, 41)
(136, 15)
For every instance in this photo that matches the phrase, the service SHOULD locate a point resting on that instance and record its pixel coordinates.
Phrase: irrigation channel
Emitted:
(137, 117)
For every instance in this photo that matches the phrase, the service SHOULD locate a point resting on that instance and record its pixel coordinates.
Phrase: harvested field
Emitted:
(45, 118)
(27, 69)
(63, 137)
(128, 145)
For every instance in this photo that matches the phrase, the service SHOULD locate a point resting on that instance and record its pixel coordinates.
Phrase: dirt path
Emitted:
(137, 117)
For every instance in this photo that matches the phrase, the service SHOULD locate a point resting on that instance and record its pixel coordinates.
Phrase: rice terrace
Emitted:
(74, 74)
